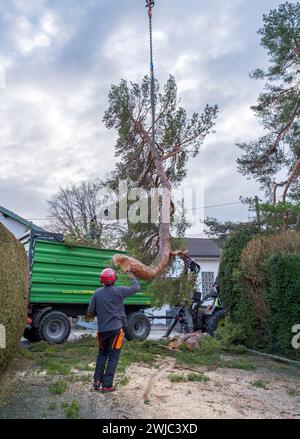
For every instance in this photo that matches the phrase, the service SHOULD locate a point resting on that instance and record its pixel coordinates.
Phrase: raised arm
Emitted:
(129, 291)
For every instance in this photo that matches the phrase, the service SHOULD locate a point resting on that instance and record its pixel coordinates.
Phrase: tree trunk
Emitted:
(164, 254)
(142, 271)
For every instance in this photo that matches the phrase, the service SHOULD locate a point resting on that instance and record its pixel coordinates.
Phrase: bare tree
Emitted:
(80, 212)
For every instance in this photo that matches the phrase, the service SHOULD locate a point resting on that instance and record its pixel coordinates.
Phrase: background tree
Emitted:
(219, 231)
(274, 217)
(79, 213)
(274, 158)
(143, 164)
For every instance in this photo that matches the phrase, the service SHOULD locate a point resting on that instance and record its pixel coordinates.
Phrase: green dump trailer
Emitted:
(62, 281)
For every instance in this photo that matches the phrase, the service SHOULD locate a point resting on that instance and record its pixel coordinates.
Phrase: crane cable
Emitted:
(150, 4)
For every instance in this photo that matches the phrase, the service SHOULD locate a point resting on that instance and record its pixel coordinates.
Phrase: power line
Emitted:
(52, 218)
(214, 205)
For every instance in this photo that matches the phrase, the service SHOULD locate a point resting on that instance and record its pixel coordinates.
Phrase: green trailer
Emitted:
(62, 281)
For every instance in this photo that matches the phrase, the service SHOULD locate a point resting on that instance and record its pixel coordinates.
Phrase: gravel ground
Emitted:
(270, 390)
(227, 393)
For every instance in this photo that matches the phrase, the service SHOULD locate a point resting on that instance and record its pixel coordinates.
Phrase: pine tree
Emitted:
(162, 166)
(274, 158)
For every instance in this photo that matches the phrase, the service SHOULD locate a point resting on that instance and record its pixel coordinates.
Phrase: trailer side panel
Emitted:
(63, 274)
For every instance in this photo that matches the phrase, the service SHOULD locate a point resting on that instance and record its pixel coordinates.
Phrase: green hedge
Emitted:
(283, 297)
(13, 292)
(230, 258)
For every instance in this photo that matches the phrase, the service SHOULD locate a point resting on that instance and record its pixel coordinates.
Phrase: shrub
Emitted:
(283, 298)
(13, 293)
(230, 333)
(231, 253)
(251, 284)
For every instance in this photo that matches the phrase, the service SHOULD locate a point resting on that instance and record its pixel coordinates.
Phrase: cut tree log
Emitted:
(143, 271)
(190, 341)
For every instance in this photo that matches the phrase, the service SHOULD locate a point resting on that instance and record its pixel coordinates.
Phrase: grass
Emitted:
(52, 406)
(41, 346)
(59, 387)
(260, 384)
(61, 359)
(25, 353)
(71, 410)
(55, 367)
(291, 392)
(238, 349)
(242, 364)
(197, 377)
(123, 380)
(176, 378)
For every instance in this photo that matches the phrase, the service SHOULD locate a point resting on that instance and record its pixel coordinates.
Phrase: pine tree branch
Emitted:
(294, 174)
(280, 136)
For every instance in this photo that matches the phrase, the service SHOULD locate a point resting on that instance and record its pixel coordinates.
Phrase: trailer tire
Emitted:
(31, 334)
(54, 327)
(138, 326)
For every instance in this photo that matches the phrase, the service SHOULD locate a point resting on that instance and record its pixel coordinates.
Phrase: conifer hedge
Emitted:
(13, 293)
(283, 297)
(230, 259)
(260, 287)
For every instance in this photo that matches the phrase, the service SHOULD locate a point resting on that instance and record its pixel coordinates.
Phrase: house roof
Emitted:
(19, 219)
(202, 247)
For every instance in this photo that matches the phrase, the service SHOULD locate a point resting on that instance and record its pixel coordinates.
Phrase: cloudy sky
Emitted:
(60, 59)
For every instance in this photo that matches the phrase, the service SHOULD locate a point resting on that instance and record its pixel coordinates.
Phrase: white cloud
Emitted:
(51, 132)
(27, 32)
(27, 37)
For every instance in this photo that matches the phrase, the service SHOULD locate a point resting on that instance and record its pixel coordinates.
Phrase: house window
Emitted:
(208, 278)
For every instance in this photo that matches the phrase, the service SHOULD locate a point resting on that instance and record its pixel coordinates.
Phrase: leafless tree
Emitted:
(80, 212)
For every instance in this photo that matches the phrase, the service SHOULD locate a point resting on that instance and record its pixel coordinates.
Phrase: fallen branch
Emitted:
(153, 377)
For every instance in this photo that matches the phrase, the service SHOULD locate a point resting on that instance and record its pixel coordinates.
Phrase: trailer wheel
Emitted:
(31, 334)
(54, 327)
(138, 326)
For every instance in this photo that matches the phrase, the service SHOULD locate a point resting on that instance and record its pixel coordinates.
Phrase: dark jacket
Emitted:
(107, 304)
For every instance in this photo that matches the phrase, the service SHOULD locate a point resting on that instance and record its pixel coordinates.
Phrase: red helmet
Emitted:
(108, 276)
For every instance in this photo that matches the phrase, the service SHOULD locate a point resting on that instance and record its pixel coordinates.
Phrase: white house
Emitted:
(15, 223)
(207, 254)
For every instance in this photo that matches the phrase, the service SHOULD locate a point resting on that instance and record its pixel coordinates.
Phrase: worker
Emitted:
(216, 310)
(107, 304)
(216, 295)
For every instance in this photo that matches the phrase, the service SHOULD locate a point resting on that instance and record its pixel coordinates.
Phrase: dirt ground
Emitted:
(163, 389)
(229, 393)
